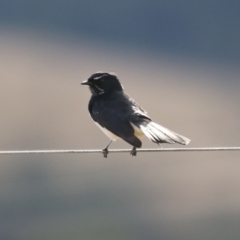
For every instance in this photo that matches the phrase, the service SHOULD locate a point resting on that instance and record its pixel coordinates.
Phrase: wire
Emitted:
(204, 149)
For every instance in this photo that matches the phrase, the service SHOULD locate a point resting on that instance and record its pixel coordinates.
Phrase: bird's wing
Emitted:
(112, 121)
(135, 112)
(113, 115)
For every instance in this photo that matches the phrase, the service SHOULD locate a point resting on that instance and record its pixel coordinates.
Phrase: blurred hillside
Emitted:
(47, 49)
(200, 29)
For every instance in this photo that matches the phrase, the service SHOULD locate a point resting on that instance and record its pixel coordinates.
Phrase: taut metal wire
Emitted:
(203, 149)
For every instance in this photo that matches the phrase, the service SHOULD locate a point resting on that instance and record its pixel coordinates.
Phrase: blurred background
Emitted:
(179, 60)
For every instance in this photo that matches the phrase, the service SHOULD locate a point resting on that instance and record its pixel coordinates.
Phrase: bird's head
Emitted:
(103, 82)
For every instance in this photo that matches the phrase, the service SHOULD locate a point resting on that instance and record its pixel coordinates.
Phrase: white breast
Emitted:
(112, 136)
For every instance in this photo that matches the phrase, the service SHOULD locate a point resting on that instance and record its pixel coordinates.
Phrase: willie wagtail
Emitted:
(119, 116)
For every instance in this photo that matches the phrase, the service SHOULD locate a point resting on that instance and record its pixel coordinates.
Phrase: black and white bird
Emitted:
(119, 116)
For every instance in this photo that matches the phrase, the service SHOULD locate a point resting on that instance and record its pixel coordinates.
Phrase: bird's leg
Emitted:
(133, 152)
(105, 150)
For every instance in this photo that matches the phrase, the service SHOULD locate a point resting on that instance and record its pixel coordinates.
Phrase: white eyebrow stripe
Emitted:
(96, 78)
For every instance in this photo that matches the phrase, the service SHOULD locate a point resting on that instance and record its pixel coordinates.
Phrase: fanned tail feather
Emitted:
(160, 134)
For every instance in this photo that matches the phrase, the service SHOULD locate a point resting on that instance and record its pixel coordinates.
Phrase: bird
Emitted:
(120, 117)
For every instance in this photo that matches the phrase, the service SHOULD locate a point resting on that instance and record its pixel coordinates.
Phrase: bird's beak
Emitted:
(85, 82)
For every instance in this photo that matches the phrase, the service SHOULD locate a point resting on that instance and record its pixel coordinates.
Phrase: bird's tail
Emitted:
(160, 134)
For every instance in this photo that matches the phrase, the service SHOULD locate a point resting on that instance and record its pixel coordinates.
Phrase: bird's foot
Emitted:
(105, 152)
(133, 152)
